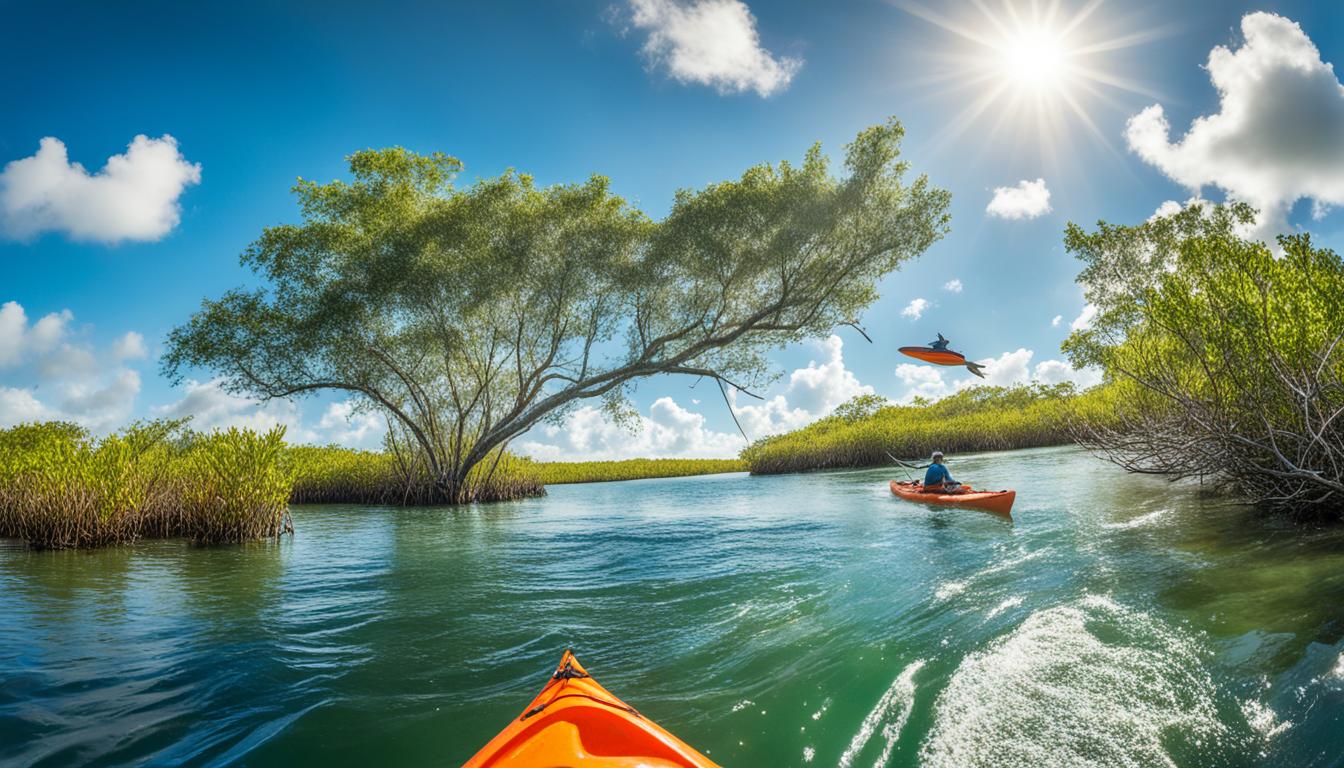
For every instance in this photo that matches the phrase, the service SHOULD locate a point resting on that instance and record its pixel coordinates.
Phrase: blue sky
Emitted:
(658, 95)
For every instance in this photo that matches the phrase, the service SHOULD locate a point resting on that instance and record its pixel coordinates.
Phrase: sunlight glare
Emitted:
(1031, 66)
(1034, 58)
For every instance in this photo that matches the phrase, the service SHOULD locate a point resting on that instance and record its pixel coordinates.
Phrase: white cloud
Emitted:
(667, 431)
(1008, 369)
(954, 285)
(915, 309)
(1278, 136)
(1027, 200)
(101, 405)
(924, 381)
(210, 408)
(813, 392)
(1059, 371)
(130, 347)
(69, 361)
(711, 42)
(1167, 208)
(49, 373)
(1056, 321)
(352, 426)
(1084, 319)
(18, 340)
(133, 197)
(19, 406)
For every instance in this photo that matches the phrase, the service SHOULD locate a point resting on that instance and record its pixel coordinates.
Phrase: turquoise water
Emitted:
(778, 621)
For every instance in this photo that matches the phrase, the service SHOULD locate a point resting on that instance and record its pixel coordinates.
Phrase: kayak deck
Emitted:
(999, 502)
(576, 723)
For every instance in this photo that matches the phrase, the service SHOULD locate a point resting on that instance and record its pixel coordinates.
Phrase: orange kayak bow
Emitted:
(576, 723)
(1000, 502)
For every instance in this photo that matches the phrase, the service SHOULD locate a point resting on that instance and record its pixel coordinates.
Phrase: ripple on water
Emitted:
(1088, 683)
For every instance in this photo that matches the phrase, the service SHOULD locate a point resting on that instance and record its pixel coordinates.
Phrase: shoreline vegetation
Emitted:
(62, 488)
(862, 432)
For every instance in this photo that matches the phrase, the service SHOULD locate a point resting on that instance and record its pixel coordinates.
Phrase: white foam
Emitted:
(890, 712)
(808, 754)
(1142, 521)
(949, 589)
(1263, 719)
(1010, 602)
(1053, 692)
(1338, 671)
(743, 704)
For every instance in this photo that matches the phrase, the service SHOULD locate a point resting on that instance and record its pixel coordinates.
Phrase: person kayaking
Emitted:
(940, 345)
(938, 479)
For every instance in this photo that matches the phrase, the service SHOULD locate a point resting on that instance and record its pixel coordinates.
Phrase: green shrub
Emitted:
(559, 472)
(61, 488)
(976, 419)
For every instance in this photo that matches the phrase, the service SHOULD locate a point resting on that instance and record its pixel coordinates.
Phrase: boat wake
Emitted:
(1089, 683)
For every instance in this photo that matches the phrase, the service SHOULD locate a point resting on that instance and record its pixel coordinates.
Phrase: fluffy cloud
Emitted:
(74, 381)
(352, 426)
(210, 407)
(1058, 372)
(1027, 200)
(954, 285)
(813, 392)
(1278, 136)
(1008, 369)
(134, 196)
(1084, 319)
(924, 381)
(18, 339)
(711, 42)
(130, 347)
(667, 430)
(915, 309)
(1056, 321)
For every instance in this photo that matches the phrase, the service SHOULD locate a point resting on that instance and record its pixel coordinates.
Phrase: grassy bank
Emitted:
(339, 475)
(977, 419)
(61, 488)
(559, 472)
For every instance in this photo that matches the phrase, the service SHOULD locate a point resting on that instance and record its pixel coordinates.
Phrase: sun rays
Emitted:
(1036, 69)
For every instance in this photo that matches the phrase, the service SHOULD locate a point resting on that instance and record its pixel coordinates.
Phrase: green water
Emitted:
(780, 621)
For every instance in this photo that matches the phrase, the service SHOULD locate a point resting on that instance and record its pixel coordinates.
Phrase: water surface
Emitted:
(778, 621)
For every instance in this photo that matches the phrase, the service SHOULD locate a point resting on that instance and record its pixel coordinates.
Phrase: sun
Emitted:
(1033, 66)
(1035, 58)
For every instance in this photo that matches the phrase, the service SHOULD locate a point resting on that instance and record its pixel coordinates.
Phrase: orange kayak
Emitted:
(935, 356)
(990, 501)
(576, 723)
